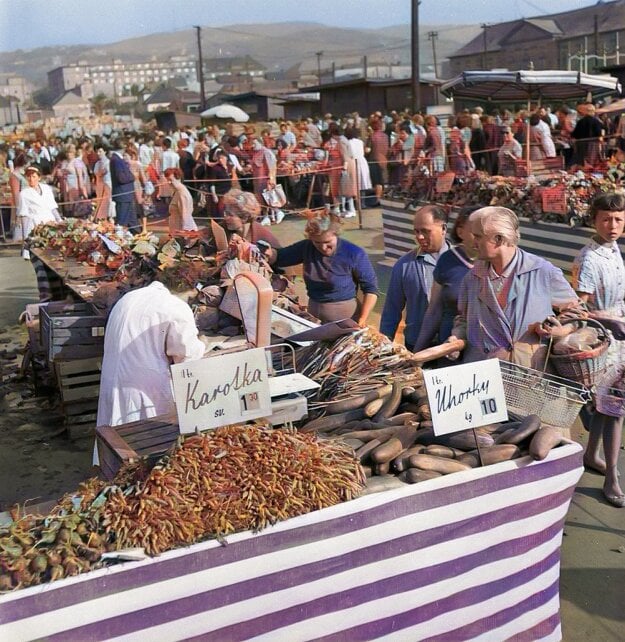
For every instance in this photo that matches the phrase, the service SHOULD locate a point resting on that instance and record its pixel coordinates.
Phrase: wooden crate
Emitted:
(71, 330)
(148, 438)
(542, 167)
(79, 384)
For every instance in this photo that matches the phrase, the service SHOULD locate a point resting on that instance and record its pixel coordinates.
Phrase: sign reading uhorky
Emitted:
(465, 396)
(221, 390)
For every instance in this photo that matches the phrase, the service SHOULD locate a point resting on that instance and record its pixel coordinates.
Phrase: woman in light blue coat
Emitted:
(506, 299)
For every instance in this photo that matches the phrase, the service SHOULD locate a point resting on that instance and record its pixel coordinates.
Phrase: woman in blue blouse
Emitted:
(334, 271)
(448, 274)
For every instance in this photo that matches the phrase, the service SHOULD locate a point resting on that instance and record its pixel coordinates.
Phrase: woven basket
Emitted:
(610, 400)
(587, 366)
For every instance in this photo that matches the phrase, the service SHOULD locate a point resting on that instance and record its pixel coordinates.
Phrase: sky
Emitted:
(26, 24)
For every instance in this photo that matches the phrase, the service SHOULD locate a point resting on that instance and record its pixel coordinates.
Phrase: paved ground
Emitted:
(593, 550)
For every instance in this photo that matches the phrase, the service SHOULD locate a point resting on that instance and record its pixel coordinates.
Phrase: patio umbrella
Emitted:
(226, 112)
(529, 85)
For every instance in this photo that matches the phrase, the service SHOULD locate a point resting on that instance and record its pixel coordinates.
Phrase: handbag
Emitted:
(275, 197)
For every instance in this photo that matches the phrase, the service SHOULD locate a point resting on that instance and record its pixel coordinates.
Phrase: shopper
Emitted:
(181, 204)
(505, 299)
(335, 270)
(599, 280)
(449, 272)
(413, 275)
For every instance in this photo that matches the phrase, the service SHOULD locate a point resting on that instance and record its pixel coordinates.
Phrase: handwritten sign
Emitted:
(221, 390)
(444, 182)
(466, 396)
(554, 199)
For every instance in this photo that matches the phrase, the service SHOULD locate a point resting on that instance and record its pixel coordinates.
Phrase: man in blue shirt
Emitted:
(412, 275)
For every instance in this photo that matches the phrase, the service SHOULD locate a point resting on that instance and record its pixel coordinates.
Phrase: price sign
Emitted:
(466, 396)
(221, 390)
(444, 182)
(554, 199)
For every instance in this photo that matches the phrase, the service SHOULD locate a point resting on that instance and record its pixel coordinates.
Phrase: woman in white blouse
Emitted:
(36, 204)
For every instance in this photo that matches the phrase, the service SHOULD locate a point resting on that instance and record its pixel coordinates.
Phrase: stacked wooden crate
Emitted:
(147, 439)
(73, 336)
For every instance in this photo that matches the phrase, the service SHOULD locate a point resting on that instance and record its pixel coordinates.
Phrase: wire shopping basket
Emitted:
(557, 401)
(586, 366)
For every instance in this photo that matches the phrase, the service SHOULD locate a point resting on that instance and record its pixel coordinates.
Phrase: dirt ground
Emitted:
(38, 462)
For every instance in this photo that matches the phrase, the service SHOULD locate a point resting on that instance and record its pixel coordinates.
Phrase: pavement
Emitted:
(592, 584)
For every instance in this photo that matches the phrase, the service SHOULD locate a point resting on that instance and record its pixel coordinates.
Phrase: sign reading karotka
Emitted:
(465, 396)
(221, 390)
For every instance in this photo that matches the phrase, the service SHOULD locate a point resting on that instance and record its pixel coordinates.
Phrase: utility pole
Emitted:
(433, 35)
(198, 30)
(484, 26)
(414, 45)
(319, 54)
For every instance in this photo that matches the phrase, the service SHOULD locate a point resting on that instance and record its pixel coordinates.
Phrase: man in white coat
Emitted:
(148, 330)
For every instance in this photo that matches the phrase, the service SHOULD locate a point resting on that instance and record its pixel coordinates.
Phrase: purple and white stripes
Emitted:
(469, 556)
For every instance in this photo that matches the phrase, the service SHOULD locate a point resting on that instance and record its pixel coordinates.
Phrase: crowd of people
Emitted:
(471, 282)
(334, 163)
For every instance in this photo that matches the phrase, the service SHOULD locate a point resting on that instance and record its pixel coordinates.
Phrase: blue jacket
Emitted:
(408, 288)
(122, 179)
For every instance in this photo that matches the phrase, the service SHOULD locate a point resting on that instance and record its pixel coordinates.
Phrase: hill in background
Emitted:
(277, 46)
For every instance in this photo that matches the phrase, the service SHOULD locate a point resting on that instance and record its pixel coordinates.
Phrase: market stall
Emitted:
(457, 557)
(551, 210)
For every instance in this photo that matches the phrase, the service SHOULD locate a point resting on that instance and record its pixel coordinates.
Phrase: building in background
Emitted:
(10, 113)
(581, 40)
(118, 78)
(16, 86)
(71, 105)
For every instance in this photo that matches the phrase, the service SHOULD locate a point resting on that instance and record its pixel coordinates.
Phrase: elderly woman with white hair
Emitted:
(508, 301)
(334, 271)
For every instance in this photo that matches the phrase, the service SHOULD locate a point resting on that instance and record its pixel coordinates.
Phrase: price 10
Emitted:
(488, 406)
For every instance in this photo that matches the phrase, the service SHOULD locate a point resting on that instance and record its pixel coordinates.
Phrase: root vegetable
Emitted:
(437, 464)
(525, 429)
(400, 463)
(401, 419)
(490, 455)
(364, 453)
(543, 441)
(331, 422)
(390, 449)
(373, 407)
(442, 451)
(391, 404)
(358, 401)
(415, 475)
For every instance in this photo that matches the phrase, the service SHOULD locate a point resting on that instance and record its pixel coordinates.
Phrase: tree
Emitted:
(43, 97)
(99, 102)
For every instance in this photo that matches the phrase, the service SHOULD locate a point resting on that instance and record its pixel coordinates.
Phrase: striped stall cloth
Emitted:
(470, 556)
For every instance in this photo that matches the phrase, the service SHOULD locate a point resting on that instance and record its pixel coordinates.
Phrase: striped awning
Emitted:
(510, 86)
(473, 555)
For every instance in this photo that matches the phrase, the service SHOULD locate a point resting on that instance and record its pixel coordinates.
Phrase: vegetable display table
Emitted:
(467, 555)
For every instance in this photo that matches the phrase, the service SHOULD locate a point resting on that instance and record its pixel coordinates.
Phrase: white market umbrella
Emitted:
(529, 85)
(226, 112)
(614, 107)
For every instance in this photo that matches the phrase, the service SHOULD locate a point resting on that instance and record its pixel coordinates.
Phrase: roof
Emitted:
(70, 98)
(352, 82)
(568, 24)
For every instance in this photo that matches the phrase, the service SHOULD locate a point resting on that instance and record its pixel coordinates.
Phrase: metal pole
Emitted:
(319, 54)
(433, 35)
(198, 30)
(485, 47)
(414, 45)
